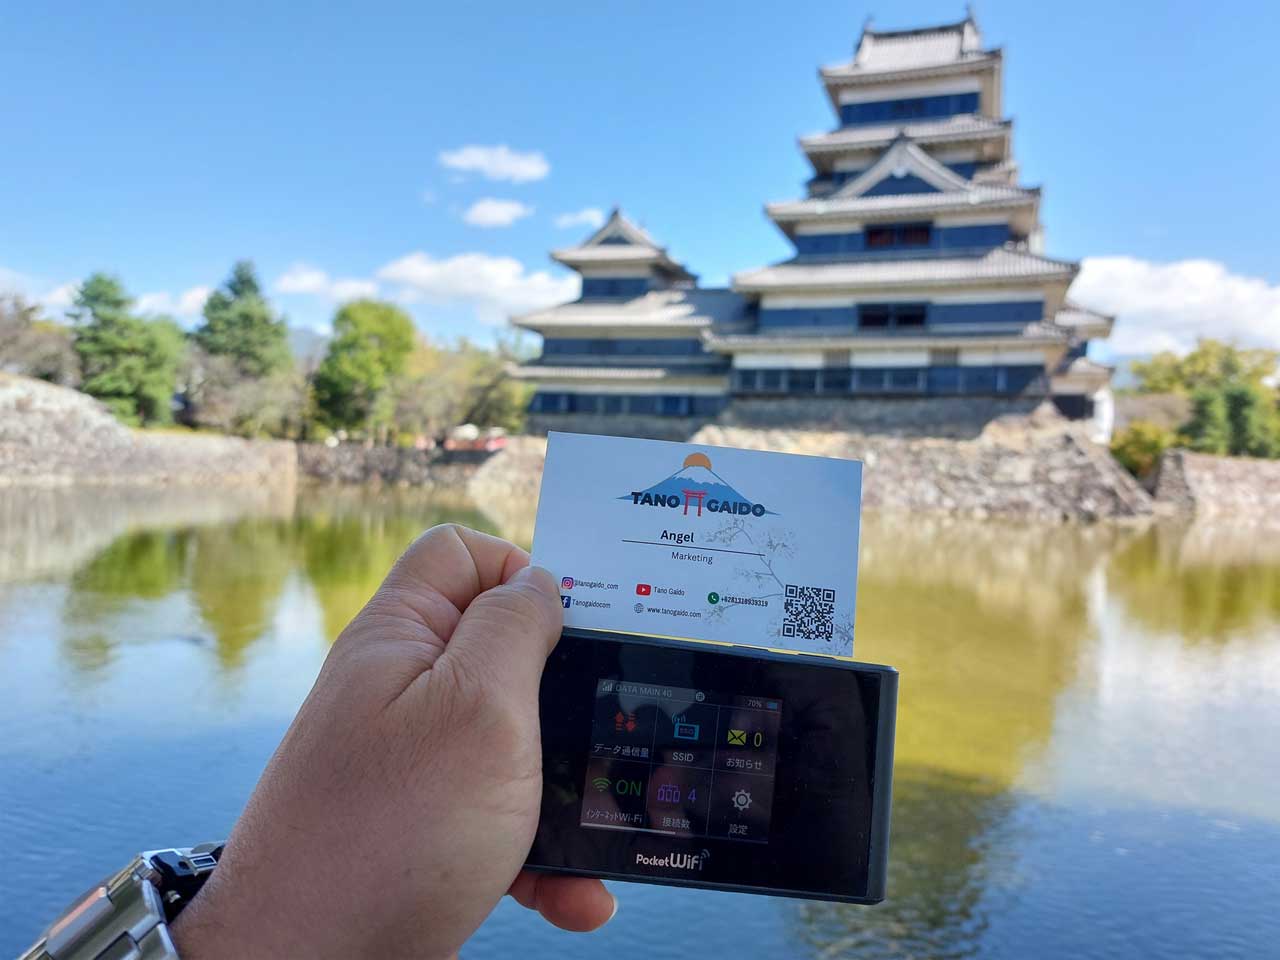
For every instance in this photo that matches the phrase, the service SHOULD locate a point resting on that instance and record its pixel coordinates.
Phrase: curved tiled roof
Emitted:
(882, 52)
(677, 308)
(965, 126)
(977, 196)
(541, 372)
(999, 265)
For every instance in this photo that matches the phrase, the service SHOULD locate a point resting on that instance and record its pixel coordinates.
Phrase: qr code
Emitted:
(810, 613)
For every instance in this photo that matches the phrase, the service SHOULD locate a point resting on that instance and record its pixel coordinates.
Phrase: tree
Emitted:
(1208, 430)
(238, 323)
(445, 387)
(1212, 364)
(1139, 445)
(1252, 420)
(33, 346)
(219, 398)
(371, 343)
(128, 363)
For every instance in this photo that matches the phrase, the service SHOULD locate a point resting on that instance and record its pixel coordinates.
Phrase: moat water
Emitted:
(1086, 760)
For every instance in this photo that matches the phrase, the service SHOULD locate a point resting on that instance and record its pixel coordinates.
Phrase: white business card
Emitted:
(702, 543)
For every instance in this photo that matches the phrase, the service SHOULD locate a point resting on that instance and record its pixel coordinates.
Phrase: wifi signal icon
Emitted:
(601, 783)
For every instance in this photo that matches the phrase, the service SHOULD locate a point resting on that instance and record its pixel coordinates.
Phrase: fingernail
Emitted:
(528, 574)
(615, 907)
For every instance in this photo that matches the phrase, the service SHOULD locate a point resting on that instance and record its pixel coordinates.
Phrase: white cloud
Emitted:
(57, 299)
(11, 281)
(304, 279)
(301, 278)
(1166, 306)
(586, 217)
(491, 212)
(61, 297)
(495, 287)
(353, 288)
(186, 304)
(497, 162)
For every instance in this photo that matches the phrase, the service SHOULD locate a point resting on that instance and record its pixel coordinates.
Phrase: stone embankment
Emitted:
(1222, 487)
(52, 436)
(394, 466)
(1019, 467)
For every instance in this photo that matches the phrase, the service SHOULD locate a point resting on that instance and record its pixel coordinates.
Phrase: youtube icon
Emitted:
(643, 589)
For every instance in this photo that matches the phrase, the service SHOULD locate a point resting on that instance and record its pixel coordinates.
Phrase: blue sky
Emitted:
(162, 141)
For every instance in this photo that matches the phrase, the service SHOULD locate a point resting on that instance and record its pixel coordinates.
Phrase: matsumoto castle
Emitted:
(919, 292)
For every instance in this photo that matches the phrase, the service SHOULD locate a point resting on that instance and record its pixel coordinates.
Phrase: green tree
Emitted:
(128, 363)
(1139, 445)
(239, 324)
(1253, 421)
(372, 341)
(1212, 364)
(1208, 430)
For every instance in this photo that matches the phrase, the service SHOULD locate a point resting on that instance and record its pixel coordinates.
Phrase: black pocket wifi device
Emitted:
(698, 766)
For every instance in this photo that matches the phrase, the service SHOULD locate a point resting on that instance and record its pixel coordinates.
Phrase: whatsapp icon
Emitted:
(713, 597)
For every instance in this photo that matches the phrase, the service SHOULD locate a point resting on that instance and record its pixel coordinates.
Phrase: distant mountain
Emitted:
(696, 478)
(1124, 378)
(307, 346)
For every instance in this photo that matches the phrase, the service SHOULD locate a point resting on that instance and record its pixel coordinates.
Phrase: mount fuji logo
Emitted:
(693, 488)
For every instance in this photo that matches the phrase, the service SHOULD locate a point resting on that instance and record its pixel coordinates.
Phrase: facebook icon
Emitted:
(566, 600)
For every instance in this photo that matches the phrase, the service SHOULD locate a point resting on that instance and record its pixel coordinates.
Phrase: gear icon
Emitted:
(741, 800)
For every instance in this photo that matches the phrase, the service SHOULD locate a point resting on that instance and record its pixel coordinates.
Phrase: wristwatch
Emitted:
(125, 916)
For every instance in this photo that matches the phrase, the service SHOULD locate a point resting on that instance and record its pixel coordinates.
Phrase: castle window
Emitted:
(889, 236)
(909, 315)
(892, 315)
(802, 381)
(874, 316)
(836, 381)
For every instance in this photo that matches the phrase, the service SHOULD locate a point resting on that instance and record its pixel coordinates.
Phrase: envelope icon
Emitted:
(737, 738)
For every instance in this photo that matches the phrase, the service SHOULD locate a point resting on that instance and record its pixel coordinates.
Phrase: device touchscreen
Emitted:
(688, 763)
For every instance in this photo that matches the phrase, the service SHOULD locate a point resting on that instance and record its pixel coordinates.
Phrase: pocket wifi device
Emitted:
(717, 767)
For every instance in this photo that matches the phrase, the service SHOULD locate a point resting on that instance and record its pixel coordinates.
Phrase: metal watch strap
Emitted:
(125, 916)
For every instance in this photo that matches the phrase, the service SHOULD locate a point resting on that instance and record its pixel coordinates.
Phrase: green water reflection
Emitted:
(1060, 687)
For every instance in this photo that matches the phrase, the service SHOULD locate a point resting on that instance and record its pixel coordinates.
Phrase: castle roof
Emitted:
(977, 197)
(962, 128)
(535, 371)
(677, 308)
(886, 52)
(949, 191)
(620, 243)
(1001, 265)
(1083, 322)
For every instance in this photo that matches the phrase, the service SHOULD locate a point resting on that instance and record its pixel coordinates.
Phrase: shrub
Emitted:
(1139, 445)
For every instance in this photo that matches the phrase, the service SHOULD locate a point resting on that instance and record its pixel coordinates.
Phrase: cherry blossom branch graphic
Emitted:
(772, 546)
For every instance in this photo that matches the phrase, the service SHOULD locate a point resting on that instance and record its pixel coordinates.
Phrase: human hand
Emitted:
(401, 803)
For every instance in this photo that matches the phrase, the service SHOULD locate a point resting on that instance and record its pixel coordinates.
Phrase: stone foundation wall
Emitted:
(1014, 469)
(1240, 488)
(960, 418)
(51, 436)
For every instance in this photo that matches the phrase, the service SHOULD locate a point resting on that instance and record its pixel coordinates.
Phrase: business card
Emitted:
(702, 543)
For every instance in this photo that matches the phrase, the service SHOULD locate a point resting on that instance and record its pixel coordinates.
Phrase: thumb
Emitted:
(507, 632)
